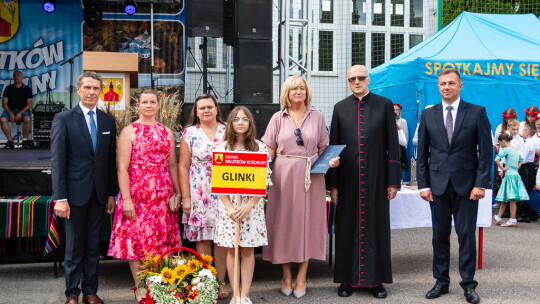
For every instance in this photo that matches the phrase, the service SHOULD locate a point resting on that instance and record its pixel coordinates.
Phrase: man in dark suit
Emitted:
(453, 168)
(83, 144)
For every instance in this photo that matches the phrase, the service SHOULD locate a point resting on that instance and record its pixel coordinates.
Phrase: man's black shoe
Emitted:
(9, 145)
(27, 144)
(379, 292)
(344, 290)
(436, 291)
(471, 296)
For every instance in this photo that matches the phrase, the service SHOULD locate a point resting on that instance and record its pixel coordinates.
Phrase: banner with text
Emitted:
(239, 173)
(38, 44)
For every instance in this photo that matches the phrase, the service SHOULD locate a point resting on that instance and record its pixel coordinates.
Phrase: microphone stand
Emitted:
(70, 61)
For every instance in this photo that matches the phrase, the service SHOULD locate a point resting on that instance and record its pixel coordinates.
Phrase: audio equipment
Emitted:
(252, 71)
(204, 18)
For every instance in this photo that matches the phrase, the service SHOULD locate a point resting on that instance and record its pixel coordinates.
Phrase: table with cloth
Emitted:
(409, 210)
(28, 224)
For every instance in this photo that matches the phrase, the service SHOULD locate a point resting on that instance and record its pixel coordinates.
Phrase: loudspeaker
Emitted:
(228, 22)
(252, 71)
(204, 18)
(224, 108)
(253, 19)
(262, 114)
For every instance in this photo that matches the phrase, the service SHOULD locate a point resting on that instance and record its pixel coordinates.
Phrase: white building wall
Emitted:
(328, 87)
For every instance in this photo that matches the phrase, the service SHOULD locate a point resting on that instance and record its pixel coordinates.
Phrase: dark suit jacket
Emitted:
(466, 161)
(76, 169)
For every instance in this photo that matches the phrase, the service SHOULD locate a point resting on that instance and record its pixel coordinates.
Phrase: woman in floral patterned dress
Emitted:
(144, 220)
(203, 134)
(240, 136)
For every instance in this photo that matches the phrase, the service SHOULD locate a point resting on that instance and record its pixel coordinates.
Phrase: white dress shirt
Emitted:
(528, 151)
(87, 117)
(455, 106)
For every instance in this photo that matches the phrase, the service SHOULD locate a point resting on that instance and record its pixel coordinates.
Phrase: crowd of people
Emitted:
(157, 193)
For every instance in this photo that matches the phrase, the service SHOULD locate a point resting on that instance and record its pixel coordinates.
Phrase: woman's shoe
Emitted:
(497, 220)
(141, 301)
(299, 294)
(223, 293)
(246, 301)
(285, 291)
(238, 300)
(509, 224)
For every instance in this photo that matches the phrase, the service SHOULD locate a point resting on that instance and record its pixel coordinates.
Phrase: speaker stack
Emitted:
(247, 26)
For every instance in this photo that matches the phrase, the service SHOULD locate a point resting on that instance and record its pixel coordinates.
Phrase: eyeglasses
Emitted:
(299, 140)
(238, 120)
(359, 78)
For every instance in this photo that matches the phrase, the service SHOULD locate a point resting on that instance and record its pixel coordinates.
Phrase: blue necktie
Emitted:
(93, 130)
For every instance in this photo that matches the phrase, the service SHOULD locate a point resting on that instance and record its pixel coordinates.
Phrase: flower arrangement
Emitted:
(179, 279)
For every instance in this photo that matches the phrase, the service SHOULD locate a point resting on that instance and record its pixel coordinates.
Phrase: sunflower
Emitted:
(181, 271)
(168, 275)
(213, 269)
(207, 259)
(193, 265)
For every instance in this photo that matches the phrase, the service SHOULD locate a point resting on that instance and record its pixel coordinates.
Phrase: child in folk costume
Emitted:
(530, 117)
(527, 172)
(240, 136)
(512, 188)
(507, 115)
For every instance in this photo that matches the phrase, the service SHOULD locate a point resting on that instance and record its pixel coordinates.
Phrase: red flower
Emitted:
(160, 94)
(170, 116)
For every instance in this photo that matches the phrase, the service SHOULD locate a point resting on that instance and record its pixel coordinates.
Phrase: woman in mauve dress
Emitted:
(296, 210)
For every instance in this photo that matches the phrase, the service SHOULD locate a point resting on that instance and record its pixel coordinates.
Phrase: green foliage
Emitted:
(452, 8)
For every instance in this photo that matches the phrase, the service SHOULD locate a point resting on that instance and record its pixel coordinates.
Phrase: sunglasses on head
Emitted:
(299, 140)
(359, 78)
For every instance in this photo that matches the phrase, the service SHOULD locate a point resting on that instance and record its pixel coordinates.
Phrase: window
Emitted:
(359, 12)
(397, 44)
(414, 40)
(358, 48)
(397, 17)
(326, 50)
(212, 52)
(377, 49)
(417, 13)
(191, 50)
(224, 56)
(327, 11)
(378, 12)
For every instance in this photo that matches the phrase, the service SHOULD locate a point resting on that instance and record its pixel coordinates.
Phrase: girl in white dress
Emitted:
(240, 136)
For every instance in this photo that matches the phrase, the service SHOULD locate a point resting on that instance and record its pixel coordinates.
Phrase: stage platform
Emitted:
(25, 172)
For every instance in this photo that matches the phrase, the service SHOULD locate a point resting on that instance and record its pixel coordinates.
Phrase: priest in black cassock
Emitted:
(369, 176)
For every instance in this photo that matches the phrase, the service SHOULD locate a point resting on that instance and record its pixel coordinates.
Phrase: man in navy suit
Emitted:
(83, 145)
(453, 171)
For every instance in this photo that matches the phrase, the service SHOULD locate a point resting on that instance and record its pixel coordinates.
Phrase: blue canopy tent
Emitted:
(498, 57)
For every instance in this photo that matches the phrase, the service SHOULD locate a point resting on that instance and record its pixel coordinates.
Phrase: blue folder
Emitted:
(322, 165)
(534, 200)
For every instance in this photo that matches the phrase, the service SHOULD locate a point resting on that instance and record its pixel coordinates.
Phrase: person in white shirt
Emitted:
(403, 136)
(527, 171)
(530, 115)
(513, 129)
(415, 138)
(508, 114)
(536, 137)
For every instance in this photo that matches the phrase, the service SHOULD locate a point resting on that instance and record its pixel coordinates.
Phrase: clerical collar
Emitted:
(360, 98)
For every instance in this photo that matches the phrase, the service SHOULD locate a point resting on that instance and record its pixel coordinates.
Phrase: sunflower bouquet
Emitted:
(184, 278)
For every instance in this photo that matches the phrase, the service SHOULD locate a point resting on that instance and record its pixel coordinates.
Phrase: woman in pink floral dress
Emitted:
(204, 133)
(144, 220)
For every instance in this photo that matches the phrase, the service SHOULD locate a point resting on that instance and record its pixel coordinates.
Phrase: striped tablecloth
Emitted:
(32, 221)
